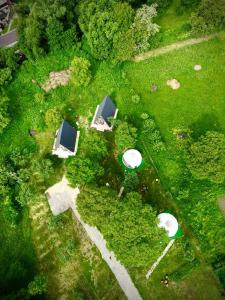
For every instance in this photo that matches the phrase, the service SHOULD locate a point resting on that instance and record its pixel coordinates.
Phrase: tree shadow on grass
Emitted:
(208, 122)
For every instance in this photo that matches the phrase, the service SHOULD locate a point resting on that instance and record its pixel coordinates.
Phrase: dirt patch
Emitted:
(173, 83)
(221, 203)
(56, 79)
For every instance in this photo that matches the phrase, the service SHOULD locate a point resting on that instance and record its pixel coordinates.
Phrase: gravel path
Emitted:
(172, 47)
(62, 188)
(9, 39)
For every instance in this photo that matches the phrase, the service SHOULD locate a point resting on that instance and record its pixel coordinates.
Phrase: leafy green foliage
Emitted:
(125, 136)
(131, 229)
(46, 25)
(105, 24)
(82, 171)
(94, 145)
(80, 73)
(209, 16)
(38, 286)
(206, 157)
(131, 182)
(144, 28)
(4, 115)
(53, 118)
(5, 76)
(161, 4)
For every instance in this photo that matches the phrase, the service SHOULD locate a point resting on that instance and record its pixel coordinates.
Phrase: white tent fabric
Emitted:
(132, 158)
(169, 223)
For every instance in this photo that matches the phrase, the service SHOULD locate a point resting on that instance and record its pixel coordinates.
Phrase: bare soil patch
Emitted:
(56, 79)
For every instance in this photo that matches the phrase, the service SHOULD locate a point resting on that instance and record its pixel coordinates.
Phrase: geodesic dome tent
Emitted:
(132, 158)
(169, 223)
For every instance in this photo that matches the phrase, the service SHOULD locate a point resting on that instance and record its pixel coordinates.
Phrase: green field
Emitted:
(198, 105)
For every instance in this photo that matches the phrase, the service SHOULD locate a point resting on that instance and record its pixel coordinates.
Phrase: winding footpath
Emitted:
(175, 46)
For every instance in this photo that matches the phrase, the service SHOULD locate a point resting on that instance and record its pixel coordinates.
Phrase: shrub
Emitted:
(53, 118)
(4, 115)
(38, 286)
(152, 136)
(80, 71)
(135, 99)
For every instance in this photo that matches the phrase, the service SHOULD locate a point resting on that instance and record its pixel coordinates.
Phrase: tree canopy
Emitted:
(80, 71)
(4, 115)
(125, 136)
(131, 229)
(206, 157)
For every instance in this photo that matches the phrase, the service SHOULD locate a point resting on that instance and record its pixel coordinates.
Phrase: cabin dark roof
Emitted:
(106, 109)
(66, 136)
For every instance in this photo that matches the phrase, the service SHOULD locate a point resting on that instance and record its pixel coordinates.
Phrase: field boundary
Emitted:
(174, 46)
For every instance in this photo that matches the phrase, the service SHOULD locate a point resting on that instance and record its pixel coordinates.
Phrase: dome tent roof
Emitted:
(132, 158)
(169, 223)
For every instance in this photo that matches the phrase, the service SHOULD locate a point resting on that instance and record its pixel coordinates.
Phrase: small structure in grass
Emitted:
(153, 88)
(105, 111)
(197, 67)
(66, 141)
(132, 159)
(173, 83)
(32, 132)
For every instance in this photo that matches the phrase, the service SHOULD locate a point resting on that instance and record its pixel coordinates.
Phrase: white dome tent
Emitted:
(169, 223)
(132, 158)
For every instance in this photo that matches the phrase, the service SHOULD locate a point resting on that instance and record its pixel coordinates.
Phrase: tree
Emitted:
(131, 229)
(210, 14)
(143, 27)
(125, 136)
(38, 286)
(94, 145)
(80, 71)
(105, 24)
(5, 75)
(53, 118)
(161, 4)
(206, 157)
(46, 25)
(82, 171)
(4, 115)
(130, 182)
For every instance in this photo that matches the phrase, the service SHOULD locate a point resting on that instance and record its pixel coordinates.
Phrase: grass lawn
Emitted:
(198, 104)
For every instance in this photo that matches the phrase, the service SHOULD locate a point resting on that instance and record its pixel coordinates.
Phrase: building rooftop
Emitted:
(106, 109)
(66, 136)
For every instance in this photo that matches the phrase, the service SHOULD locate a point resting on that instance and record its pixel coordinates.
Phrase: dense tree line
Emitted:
(131, 229)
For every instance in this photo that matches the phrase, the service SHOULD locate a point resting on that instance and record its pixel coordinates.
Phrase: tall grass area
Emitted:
(18, 263)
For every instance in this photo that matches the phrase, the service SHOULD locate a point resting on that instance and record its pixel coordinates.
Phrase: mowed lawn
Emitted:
(199, 103)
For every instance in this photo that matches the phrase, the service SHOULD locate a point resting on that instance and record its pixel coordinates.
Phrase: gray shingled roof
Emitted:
(106, 109)
(66, 136)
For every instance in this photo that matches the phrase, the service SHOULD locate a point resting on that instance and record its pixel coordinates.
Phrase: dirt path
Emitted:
(174, 46)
